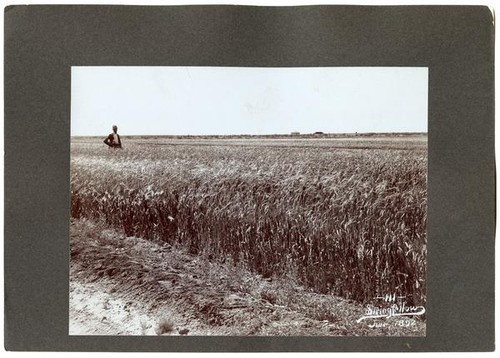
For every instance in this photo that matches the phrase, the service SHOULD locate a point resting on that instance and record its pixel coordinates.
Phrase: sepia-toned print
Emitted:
(248, 201)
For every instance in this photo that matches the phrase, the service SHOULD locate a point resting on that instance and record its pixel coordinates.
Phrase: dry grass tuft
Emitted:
(165, 325)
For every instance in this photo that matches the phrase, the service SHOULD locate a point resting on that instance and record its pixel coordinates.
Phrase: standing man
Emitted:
(113, 140)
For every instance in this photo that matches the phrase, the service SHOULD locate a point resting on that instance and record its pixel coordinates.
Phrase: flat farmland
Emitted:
(338, 217)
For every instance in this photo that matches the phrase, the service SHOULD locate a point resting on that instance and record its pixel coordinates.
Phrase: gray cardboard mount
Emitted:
(455, 43)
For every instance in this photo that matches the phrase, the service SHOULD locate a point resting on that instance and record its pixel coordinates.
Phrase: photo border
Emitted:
(456, 43)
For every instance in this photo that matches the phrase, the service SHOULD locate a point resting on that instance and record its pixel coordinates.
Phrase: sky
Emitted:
(247, 100)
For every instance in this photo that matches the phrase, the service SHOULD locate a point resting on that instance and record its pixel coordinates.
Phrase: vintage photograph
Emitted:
(248, 201)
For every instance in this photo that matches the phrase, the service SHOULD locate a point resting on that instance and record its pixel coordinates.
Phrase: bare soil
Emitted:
(123, 285)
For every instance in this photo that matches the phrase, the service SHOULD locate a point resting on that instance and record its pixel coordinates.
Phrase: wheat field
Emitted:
(343, 217)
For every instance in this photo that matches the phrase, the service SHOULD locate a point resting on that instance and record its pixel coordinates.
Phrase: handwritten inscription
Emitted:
(397, 309)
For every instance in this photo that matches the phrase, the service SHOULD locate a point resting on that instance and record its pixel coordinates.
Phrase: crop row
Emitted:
(345, 222)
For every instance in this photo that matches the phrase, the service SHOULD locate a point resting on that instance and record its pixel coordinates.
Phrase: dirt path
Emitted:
(97, 312)
(129, 286)
(96, 309)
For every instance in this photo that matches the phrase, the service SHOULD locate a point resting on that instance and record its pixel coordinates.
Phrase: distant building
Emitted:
(319, 133)
(295, 133)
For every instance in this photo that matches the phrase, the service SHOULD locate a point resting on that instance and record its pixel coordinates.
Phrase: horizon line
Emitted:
(290, 134)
